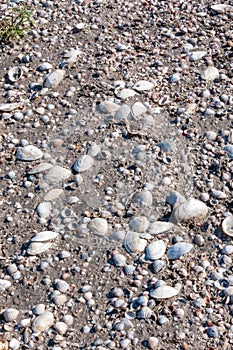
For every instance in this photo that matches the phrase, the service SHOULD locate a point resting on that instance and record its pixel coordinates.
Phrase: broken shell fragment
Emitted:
(14, 74)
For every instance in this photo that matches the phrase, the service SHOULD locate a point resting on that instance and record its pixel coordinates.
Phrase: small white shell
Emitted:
(44, 209)
(109, 107)
(164, 292)
(40, 168)
(210, 73)
(160, 226)
(71, 56)
(80, 25)
(36, 248)
(227, 226)
(29, 153)
(155, 250)
(98, 226)
(190, 210)
(125, 93)
(53, 194)
(138, 109)
(179, 249)
(139, 223)
(174, 78)
(53, 79)
(222, 8)
(14, 74)
(195, 56)
(9, 107)
(57, 174)
(45, 66)
(142, 85)
(145, 313)
(133, 243)
(93, 150)
(83, 163)
(158, 265)
(60, 327)
(119, 260)
(123, 113)
(4, 284)
(44, 236)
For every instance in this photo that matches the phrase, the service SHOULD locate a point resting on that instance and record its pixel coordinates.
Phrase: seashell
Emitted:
(222, 8)
(158, 265)
(53, 79)
(61, 286)
(211, 135)
(39, 309)
(197, 55)
(227, 226)
(83, 163)
(143, 198)
(10, 314)
(123, 113)
(71, 56)
(139, 224)
(44, 236)
(123, 325)
(14, 74)
(98, 226)
(9, 107)
(44, 209)
(210, 74)
(144, 313)
(153, 343)
(179, 249)
(129, 269)
(57, 174)
(81, 25)
(68, 319)
(218, 194)
(109, 107)
(53, 194)
(40, 168)
(155, 250)
(43, 322)
(44, 66)
(167, 146)
(164, 292)
(125, 93)
(143, 85)
(60, 327)
(190, 210)
(174, 78)
(119, 260)
(121, 47)
(138, 109)
(3, 344)
(93, 150)
(29, 153)
(173, 198)
(36, 248)
(229, 150)
(4, 284)
(119, 84)
(67, 213)
(160, 227)
(133, 243)
(116, 292)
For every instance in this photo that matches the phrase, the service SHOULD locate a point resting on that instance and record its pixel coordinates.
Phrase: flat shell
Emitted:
(138, 109)
(40, 168)
(210, 73)
(179, 249)
(133, 243)
(195, 56)
(227, 226)
(72, 55)
(155, 250)
(125, 93)
(36, 248)
(57, 174)
(160, 226)
(29, 153)
(44, 66)
(98, 226)
(143, 85)
(122, 113)
(164, 292)
(9, 107)
(143, 198)
(44, 236)
(139, 223)
(222, 8)
(53, 194)
(83, 163)
(109, 107)
(190, 210)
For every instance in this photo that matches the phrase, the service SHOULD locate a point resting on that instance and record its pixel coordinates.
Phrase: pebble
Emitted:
(14, 344)
(44, 209)
(4, 284)
(139, 224)
(190, 210)
(57, 174)
(153, 343)
(227, 226)
(29, 153)
(53, 194)
(142, 85)
(53, 79)
(43, 322)
(40, 168)
(83, 163)
(44, 236)
(10, 315)
(210, 74)
(36, 248)
(160, 227)
(143, 198)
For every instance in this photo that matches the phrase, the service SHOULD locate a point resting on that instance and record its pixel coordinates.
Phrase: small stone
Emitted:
(210, 74)
(53, 194)
(143, 198)
(40, 168)
(195, 56)
(60, 327)
(57, 174)
(38, 309)
(14, 344)
(153, 343)
(139, 223)
(29, 153)
(44, 209)
(10, 314)
(43, 322)
(4, 284)
(36, 248)
(53, 79)
(83, 163)
(212, 331)
(61, 286)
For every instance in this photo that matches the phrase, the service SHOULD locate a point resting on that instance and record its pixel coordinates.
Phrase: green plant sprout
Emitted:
(11, 29)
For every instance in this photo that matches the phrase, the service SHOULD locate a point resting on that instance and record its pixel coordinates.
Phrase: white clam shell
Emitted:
(93, 150)
(53, 194)
(123, 113)
(44, 209)
(139, 224)
(164, 292)
(125, 93)
(133, 243)
(44, 66)
(210, 73)
(109, 107)
(138, 109)
(40, 168)
(197, 55)
(57, 174)
(222, 8)
(43, 322)
(227, 226)
(36, 248)
(83, 163)
(72, 55)
(160, 226)
(53, 79)
(44, 236)
(190, 210)
(29, 153)
(145, 313)
(98, 226)
(174, 78)
(143, 85)
(9, 107)
(179, 249)
(119, 260)
(14, 74)
(155, 250)
(4, 284)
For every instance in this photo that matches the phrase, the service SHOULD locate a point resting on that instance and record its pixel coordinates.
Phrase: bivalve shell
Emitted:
(143, 198)
(139, 223)
(123, 113)
(190, 210)
(98, 226)
(57, 174)
(160, 226)
(164, 292)
(40, 168)
(210, 74)
(14, 74)
(109, 107)
(179, 249)
(36, 248)
(145, 313)
(143, 85)
(119, 260)
(44, 236)
(29, 153)
(227, 226)
(133, 243)
(83, 163)
(10, 314)
(44, 66)
(138, 109)
(155, 250)
(222, 8)
(125, 93)
(195, 56)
